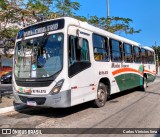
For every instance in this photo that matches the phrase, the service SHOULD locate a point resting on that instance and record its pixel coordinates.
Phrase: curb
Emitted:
(12, 108)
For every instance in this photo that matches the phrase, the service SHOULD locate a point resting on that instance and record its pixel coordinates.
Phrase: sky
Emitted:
(144, 13)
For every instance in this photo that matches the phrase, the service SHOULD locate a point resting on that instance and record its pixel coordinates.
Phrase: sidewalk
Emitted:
(7, 95)
(7, 103)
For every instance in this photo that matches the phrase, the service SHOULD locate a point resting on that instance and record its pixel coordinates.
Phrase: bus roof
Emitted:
(148, 48)
(97, 30)
(85, 25)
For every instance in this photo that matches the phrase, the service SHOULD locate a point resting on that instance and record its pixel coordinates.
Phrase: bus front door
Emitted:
(80, 67)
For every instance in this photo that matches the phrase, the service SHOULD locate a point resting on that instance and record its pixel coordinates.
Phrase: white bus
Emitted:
(65, 62)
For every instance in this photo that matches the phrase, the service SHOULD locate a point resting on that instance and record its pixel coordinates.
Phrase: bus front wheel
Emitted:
(101, 95)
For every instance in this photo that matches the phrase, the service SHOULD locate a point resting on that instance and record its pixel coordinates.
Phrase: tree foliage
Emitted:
(39, 9)
(8, 11)
(113, 24)
(66, 7)
(27, 12)
(157, 51)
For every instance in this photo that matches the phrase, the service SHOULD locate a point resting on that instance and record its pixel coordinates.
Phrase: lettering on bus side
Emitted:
(84, 33)
(125, 66)
(103, 72)
(115, 65)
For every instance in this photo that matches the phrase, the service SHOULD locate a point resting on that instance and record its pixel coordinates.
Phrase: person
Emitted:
(46, 56)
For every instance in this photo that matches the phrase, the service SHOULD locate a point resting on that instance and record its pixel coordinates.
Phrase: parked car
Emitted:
(6, 78)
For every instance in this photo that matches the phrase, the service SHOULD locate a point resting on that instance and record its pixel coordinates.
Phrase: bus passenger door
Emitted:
(80, 67)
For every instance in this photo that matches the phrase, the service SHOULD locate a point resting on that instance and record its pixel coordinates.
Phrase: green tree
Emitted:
(114, 24)
(31, 11)
(157, 51)
(66, 7)
(39, 9)
(12, 17)
(8, 10)
(16, 13)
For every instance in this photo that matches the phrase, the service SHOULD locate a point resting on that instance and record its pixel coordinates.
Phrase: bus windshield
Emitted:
(39, 57)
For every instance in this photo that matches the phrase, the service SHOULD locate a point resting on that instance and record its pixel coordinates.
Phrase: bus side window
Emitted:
(137, 54)
(116, 50)
(144, 56)
(100, 48)
(128, 53)
(150, 58)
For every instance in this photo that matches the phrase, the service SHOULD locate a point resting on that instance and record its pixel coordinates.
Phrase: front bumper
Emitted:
(60, 100)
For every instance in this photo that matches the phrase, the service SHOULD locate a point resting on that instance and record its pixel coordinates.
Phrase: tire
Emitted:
(144, 86)
(101, 96)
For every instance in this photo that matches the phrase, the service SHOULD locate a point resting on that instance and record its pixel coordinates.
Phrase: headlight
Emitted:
(57, 87)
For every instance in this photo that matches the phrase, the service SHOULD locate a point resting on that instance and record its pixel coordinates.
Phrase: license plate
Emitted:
(31, 103)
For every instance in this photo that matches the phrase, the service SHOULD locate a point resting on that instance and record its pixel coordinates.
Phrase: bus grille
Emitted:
(38, 100)
(33, 83)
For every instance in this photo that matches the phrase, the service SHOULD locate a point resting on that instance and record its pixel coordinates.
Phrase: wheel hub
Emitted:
(101, 95)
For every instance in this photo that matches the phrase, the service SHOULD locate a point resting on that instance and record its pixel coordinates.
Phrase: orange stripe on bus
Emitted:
(125, 70)
(149, 72)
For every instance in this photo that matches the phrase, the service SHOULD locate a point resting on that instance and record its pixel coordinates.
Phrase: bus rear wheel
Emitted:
(101, 95)
(144, 86)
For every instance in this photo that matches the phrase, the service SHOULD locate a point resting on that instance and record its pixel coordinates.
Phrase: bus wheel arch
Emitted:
(103, 92)
(106, 82)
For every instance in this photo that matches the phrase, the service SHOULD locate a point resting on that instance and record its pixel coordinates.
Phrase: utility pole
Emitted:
(157, 60)
(108, 14)
(108, 9)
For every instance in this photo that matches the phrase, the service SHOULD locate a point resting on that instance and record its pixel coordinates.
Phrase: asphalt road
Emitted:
(129, 109)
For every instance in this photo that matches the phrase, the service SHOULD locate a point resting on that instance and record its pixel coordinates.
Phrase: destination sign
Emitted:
(41, 28)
